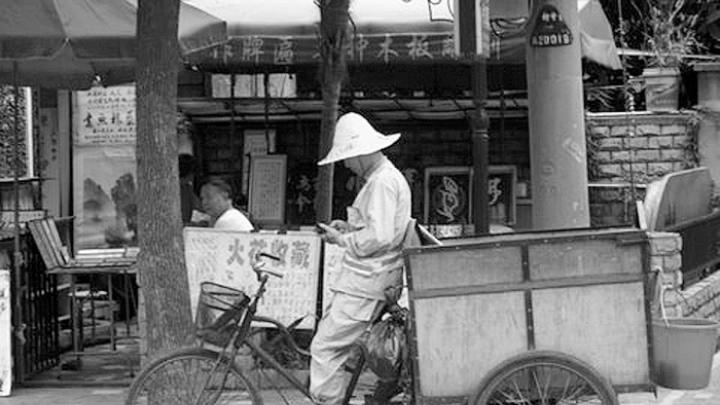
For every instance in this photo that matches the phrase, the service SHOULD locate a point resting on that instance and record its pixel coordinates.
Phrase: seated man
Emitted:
(216, 197)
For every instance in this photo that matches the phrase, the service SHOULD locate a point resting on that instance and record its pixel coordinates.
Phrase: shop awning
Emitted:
(284, 32)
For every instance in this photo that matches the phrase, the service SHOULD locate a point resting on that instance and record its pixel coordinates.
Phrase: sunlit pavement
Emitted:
(116, 396)
(707, 396)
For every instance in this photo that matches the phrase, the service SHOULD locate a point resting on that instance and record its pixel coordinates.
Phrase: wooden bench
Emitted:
(59, 261)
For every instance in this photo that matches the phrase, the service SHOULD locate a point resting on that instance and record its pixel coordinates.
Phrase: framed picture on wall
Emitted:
(501, 194)
(268, 178)
(448, 193)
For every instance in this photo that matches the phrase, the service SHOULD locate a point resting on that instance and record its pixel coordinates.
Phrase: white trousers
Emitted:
(344, 321)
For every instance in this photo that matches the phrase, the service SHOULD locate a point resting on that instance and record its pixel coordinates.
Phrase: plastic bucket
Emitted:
(662, 89)
(683, 352)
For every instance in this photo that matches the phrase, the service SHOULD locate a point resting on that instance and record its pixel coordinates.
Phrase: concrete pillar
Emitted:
(558, 160)
(708, 75)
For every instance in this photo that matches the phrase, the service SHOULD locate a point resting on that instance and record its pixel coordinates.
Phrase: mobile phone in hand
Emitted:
(319, 229)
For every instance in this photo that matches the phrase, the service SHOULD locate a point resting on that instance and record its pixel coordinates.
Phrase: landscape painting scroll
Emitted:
(223, 257)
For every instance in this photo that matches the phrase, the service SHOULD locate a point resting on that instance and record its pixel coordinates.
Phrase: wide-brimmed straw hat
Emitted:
(354, 136)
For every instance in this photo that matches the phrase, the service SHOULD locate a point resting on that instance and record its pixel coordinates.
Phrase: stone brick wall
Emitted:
(632, 149)
(666, 254)
(700, 300)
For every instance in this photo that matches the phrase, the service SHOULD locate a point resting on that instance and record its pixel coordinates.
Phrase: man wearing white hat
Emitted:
(372, 237)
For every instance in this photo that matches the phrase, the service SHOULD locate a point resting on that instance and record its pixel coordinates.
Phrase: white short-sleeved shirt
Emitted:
(233, 219)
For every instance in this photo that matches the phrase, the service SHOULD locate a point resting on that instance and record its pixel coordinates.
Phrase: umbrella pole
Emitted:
(17, 255)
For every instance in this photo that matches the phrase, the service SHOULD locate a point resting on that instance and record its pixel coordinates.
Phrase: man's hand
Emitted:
(341, 225)
(331, 235)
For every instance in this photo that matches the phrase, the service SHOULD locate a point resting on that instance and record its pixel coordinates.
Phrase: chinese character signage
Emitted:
(105, 116)
(223, 257)
(366, 48)
(550, 29)
(104, 167)
(256, 143)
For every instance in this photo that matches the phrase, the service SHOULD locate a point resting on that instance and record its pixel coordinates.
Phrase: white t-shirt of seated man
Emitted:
(233, 219)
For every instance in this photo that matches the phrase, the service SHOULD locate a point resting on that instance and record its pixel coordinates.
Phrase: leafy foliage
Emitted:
(671, 32)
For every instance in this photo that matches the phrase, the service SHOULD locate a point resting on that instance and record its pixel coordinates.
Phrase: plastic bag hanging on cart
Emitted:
(387, 347)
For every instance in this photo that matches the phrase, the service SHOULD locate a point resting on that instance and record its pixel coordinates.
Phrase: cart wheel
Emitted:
(544, 378)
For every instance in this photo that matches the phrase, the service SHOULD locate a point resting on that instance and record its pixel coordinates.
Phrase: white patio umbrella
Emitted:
(72, 44)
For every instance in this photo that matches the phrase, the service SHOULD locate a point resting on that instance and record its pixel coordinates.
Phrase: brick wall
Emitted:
(700, 300)
(626, 149)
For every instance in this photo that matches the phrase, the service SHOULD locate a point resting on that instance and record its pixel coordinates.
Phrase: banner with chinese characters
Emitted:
(259, 50)
(104, 116)
(223, 257)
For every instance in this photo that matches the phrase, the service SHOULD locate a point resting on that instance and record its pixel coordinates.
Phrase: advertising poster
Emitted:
(223, 257)
(104, 196)
(104, 167)
(105, 116)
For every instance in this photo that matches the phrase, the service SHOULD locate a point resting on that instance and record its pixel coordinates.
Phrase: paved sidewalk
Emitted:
(116, 396)
(65, 396)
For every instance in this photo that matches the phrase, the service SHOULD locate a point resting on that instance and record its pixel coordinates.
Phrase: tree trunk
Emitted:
(334, 43)
(161, 265)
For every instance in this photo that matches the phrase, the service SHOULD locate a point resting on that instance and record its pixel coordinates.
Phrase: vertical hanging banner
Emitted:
(223, 257)
(255, 143)
(104, 167)
(5, 334)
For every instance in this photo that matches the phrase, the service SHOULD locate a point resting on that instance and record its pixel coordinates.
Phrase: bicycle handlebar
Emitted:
(268, 255)
(259, 266)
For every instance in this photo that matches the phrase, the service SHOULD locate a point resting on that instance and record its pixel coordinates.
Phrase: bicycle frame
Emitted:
(243, 332)
(269, 359)
(240, 337)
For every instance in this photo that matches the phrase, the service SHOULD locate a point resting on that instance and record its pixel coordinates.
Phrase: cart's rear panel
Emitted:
(476, 302)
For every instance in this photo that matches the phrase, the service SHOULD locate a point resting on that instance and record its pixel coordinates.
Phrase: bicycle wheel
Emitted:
(544, 378)
(192, 376)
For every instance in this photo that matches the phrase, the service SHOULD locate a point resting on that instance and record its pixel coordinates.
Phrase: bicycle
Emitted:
(198, 375)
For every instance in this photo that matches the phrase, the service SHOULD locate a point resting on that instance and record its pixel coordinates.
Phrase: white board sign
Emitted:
(5, 335)
(105, 116)
(223, 257)
(268, 180)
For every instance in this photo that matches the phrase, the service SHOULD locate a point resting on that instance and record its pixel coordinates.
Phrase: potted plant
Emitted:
(670, 35)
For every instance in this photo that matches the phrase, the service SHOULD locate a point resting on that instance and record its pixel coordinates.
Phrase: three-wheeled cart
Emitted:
(557, 317)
